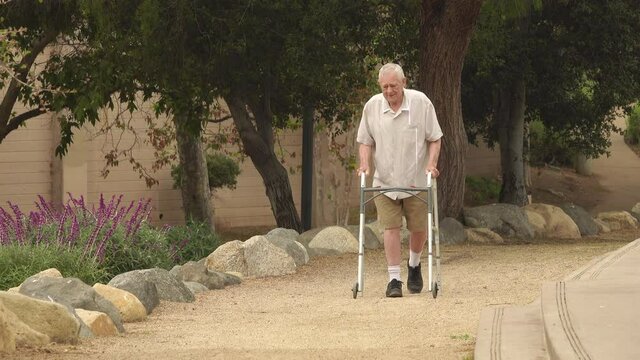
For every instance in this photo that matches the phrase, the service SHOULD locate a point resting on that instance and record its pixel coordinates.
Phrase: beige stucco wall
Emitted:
(28, 168)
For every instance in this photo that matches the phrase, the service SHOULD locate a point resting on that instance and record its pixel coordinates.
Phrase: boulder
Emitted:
(558, 224)
(146, 291)
(371, 240)
(618, 220)
(603, 228)
(483, 236)
(168, 286)
(7, 330)
(333, 240)
(582, 218)
(15, 333)
(99, 323)
(45, 317)
(73, 293)
(197, 272)
(505, 219)
(283, 233)
(228, 257)
(195, 287)
(451, 231)
(288, 243)
(306, 237)
(537, 222)
(265, 259)
(635, 211)
(129, 306)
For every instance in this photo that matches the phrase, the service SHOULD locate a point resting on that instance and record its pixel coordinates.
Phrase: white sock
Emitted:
(394, 272)
(414, 258)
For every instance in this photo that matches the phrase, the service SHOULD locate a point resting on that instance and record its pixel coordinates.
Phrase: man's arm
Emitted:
(434, 154)
(365, 154)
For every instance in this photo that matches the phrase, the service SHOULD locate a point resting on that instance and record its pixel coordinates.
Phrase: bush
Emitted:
(222, 170)
(481, 190)
(547, 147)
(192, 241)
(117, 238)
(632, 133)
(22, 261)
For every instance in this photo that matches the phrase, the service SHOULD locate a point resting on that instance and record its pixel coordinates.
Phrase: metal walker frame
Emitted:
(433, 233)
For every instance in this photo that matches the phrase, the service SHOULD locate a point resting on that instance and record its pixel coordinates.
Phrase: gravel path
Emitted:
(312, 315)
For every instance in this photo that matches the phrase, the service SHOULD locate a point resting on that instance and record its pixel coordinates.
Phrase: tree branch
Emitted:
(16, 121)
(219, 120)
(25, 65)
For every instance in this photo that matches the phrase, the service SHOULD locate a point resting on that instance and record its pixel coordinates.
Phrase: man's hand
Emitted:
(363, 169)
(433, 170)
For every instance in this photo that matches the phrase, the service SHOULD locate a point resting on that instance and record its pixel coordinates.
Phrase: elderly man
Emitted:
(402, 126)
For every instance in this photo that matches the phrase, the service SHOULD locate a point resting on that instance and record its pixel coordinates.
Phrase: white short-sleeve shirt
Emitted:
(400, 139)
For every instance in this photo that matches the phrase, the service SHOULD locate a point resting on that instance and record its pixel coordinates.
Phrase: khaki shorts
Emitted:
(414, 210)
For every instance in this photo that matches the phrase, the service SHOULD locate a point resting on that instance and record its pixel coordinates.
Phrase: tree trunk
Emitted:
(445, 31)
(510, 108)
(258, 144)
(196, 194)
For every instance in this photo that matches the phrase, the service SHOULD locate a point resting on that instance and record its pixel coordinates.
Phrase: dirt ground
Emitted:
(312, 315)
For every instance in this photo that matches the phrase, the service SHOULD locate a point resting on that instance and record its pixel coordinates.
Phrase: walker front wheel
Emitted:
(434, 289)
(355, 290)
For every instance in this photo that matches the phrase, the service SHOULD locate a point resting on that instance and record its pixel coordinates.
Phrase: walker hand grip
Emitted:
(428, 178)
(363, 178)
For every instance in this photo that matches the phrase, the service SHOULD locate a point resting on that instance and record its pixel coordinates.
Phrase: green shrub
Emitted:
(481, 190)
(632, 133)
(222, 170)
(192, 241)
(22, 261)
(547, 147)
(147, 249)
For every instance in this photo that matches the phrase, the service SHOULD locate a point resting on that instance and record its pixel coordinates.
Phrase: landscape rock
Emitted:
(129, 306)
(333, 240)
(265, 259)
(618, 220)
(288, 243)
(169, 288)
(193, 271)
(582, 218)
(505, 219)
(146, 291)
(195, 287)
(603, 228)
(7, 331)
(228, 257)
(45, 317)
(558, 224)
(283, 233)
(231, 278)
(99, 323)
(71, 292)
(537, 222)
(451, 231)
(306, 237)
(371, 240)
(635, 211)
(483, 236)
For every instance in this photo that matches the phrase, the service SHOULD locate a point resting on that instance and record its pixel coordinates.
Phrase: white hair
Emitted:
(391, 67)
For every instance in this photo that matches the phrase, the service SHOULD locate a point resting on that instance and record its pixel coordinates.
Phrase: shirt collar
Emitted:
(403, 107)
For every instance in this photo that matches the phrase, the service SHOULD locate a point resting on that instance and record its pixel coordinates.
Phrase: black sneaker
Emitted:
(414, 280)
(394, 288)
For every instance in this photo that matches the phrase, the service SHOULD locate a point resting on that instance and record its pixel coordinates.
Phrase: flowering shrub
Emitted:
(117, 237)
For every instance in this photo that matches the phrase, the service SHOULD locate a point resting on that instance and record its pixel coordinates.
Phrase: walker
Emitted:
(433, 234)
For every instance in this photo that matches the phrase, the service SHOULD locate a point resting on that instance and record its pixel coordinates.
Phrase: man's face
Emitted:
(392, 87)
